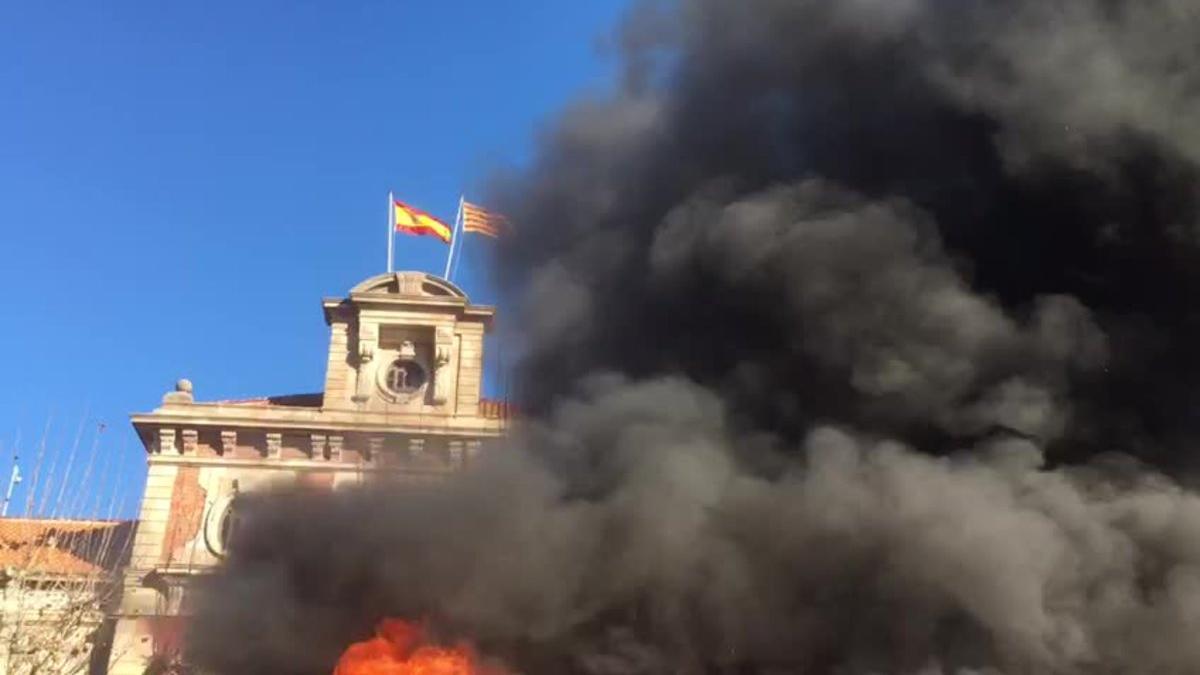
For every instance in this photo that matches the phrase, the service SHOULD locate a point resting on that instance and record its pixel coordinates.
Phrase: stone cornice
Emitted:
(328, 420)
(449, 305)
(293, 465)
(177, 428)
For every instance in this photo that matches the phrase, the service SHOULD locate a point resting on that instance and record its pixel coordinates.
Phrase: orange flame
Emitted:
(399, 648)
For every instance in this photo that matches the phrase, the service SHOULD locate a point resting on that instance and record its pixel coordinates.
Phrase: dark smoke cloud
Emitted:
(832, 317)
(866, 557)
(1049, 148)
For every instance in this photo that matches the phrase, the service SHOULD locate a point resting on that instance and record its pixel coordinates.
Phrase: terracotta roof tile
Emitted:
(46, 560)
(496, 409)
(63, 547)
(286, 401)
(489, 408)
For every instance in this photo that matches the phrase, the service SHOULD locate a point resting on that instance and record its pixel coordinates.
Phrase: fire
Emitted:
(400, 648)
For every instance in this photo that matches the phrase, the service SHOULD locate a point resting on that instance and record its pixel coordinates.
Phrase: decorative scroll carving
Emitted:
(366, 354)
(274, 446)
(443, 342)
(228, 442)
(190, 438)
(472, 450)
(318, 447)
(335, 448)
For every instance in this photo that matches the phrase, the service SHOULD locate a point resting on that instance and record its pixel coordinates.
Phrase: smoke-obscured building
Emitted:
(402, 397)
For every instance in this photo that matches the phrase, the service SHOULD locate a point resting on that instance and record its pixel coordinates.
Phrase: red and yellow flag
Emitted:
(481, 221)
(410, 220)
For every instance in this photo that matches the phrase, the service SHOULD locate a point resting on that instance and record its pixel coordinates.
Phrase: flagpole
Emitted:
(454, 237)
(391, 228)
(13, 479)
(458, 258)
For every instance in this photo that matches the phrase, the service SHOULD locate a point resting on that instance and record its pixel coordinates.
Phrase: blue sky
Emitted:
(181, 183)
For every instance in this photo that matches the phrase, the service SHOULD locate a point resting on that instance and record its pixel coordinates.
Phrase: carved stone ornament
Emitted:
(441, 374)
(182, 394)
(366, 352)
(407, 350)
(442, 357)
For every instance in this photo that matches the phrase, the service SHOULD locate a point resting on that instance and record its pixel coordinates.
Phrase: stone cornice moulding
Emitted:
(293, 465)
(451, 306)
(396, 423)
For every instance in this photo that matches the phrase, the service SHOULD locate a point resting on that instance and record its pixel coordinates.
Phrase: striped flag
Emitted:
(411, 220)
(479, 220)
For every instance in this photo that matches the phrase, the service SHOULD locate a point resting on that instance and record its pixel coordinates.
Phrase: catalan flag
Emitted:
(481, 221)
(411, 220)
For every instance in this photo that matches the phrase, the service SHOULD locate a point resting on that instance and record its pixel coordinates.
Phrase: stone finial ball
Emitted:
(184, 385)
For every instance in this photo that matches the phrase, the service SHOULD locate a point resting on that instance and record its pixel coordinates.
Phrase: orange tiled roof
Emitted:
(62, 547)
(287, 401)
(496, 409)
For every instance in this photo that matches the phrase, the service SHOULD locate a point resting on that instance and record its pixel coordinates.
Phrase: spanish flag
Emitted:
(409, 220)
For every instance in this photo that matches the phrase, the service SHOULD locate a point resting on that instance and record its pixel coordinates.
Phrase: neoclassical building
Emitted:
(402, 396)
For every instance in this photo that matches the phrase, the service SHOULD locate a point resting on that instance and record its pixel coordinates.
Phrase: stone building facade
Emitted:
(402, 396)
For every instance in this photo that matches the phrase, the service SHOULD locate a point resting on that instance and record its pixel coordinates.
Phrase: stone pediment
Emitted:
(408, 285)
(400, 292)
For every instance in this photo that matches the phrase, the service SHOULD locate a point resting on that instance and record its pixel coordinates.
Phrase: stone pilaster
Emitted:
(339, 383)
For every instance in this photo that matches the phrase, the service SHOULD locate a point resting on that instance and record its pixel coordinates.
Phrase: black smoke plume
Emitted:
(856, 337)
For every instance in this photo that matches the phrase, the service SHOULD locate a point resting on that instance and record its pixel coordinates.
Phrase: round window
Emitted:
(221, 525)
(229, 523)
(404, 376)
